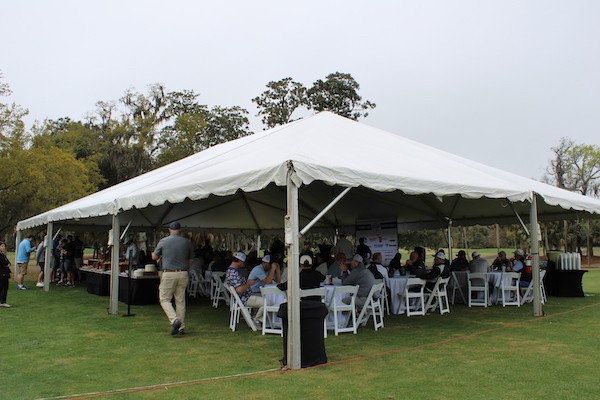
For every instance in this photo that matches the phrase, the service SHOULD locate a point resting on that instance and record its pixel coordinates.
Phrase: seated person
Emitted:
(235, 279)
(320, 264)
(264, 273)
(415, 265)
(439, 269)
(477, 264)
(357, 274)
(395, 264)
(501, 263)
(335, 269)
(378, 266)
(309, 277)
(460, 263)
(517, 263)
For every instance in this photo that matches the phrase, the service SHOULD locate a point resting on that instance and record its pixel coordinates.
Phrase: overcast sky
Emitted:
(499, 82)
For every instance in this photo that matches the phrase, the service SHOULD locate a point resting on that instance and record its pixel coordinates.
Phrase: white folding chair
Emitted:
(438, 297)
(528, 295)
(455, 285)
(509, 285)
(415, 299)
(217, 290)
(270, 321)
(237, 308)
(322, 293)
(386, 303)
(478, 284)
(193, 283)
(373, 307)
(338, 306)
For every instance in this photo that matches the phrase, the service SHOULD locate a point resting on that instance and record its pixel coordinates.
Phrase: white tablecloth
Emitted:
(397, 286)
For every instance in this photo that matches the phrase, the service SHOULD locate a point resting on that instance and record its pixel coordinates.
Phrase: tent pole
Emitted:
(114, 266)
(324, 211)
(449, 239)
(294, 360)
(521, 220)
(535, 250)
(49, 257)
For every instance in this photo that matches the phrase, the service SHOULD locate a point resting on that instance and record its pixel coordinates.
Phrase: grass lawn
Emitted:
(64, 344)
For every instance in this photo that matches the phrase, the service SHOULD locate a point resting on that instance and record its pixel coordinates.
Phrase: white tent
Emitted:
(325, 166)
(239, 184)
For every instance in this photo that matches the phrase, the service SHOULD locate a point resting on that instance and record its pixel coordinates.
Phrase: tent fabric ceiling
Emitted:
(241, 184)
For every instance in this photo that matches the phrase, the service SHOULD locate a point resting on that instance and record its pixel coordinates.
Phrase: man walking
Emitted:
(176, 252)
(26, 247)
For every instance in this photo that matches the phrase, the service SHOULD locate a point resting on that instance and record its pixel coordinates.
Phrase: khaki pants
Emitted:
(255, 301)
(173, 285)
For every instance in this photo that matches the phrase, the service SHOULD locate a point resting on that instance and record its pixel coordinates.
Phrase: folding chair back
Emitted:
(271, 323)
(438, 297)
(343, 310)
(373, 307)
(386, 302)
(415, 299)
(237, 308)
(218, 291)
(193, 283)
(509, 285)
(478, 289)
(528, 295)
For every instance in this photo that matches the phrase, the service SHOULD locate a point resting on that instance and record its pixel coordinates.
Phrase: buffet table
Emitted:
(97, 280)
(144, 289)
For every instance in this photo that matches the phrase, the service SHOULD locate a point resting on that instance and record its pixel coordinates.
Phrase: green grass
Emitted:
(64, 343)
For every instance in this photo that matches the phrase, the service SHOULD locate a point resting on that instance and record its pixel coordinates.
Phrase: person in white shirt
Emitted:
(478, 264)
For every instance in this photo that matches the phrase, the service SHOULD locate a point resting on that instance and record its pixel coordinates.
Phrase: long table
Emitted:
(144, 289)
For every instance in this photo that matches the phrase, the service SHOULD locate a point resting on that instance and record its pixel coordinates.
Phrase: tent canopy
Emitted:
(241, 185)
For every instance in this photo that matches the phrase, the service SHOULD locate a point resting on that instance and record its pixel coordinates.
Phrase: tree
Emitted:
(338, 93)
(194, 132)
(575, 167)
(279, 101)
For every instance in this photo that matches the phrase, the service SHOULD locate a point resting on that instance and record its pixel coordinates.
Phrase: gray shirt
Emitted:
(176, 252)
(478, 265)
(360, 276)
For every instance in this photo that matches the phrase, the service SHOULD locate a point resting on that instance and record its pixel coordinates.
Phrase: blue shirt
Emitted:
(259, 274)
(518, 266)
(25, 249)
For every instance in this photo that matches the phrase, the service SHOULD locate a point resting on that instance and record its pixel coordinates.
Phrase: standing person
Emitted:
(4, 275)
(40, 258)
(69, 261)
(26, 247)
(177, 254)
(343, 245)
(79, 249)
(363, 249)
(132, 254)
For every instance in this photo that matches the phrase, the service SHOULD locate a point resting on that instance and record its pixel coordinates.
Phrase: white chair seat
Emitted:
(510, 291)
(415, 299)
(348, 311)
(271, 323)
(478, 289)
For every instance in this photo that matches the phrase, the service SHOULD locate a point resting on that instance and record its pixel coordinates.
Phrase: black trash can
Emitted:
(312, 342)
